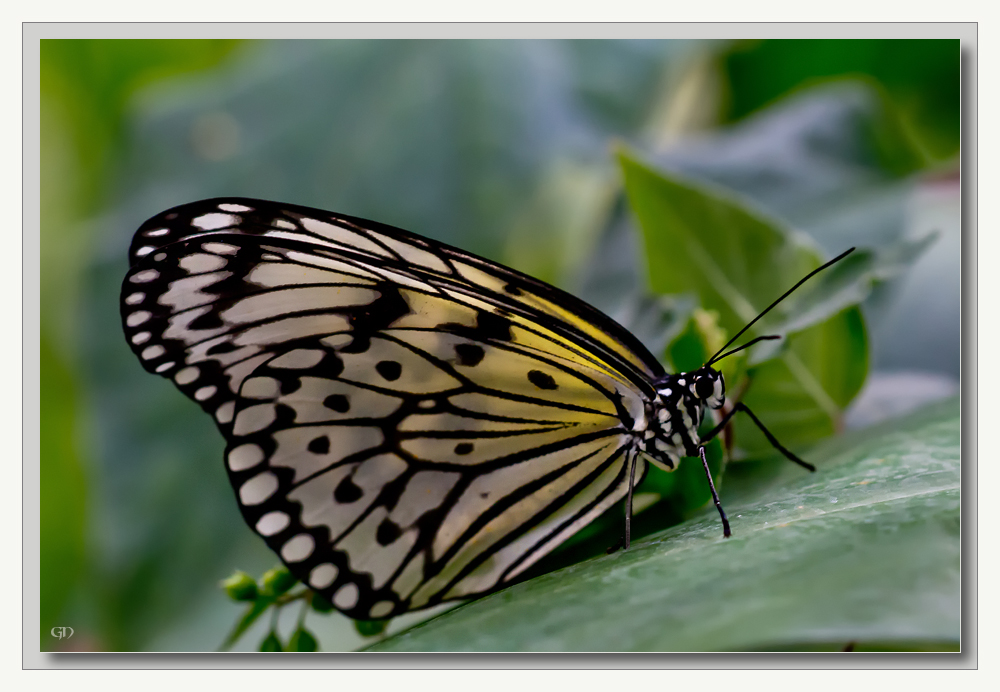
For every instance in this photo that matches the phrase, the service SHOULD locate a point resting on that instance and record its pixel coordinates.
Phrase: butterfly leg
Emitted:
(740, 406)
(626, 540)
(770, 438)
(715, 496)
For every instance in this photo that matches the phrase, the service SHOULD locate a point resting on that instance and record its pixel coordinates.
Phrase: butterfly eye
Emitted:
(704, 387)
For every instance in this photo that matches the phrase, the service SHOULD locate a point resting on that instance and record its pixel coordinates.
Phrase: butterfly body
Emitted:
(669, 430)
(406, 423)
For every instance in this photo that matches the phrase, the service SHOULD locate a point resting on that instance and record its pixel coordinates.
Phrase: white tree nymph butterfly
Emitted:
(406, 423)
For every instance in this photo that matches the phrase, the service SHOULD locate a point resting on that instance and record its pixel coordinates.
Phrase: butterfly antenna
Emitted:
(766, 310)
(716, 358)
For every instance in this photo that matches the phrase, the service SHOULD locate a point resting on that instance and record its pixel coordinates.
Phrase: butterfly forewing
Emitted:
(407, 423)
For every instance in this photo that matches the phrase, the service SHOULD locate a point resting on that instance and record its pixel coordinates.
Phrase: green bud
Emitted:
(271, 642)
(302, 640)
(240, 586)
(320, 604)
(370, 628)
(277, 581)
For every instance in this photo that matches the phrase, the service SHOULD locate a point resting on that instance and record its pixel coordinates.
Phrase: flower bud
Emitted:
(370, 628)
(240, 586)
(277, 581)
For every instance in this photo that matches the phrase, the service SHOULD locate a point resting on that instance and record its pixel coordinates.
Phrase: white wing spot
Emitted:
(187, 375)
(160, 256)
(188, 293)
(135, 298)
(258, 488)
(260, 388)
(220, 248)
(145, 276)
(143, 251)
(286, 224)
(254, 418)
(298, 548)
(201, 262)
(234, 207)
(337, 340)
(323, 575)
(346, 596)
(137, 318)
(224, 414)
(381, 609)
(427, 403)
(245, 457)
(157, 232)
(210, 222)
(141, 338)
(204, 392)
(154, 351)
(163, 367)
(299, 359)
(272, 523)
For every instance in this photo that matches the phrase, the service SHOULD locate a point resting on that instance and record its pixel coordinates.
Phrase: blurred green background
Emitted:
(500, 147)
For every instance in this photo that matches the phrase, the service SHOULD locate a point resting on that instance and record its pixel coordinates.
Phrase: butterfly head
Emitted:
(708, 387)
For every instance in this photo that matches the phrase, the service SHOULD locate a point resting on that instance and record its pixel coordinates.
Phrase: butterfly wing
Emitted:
(399, 476)
(407, 423)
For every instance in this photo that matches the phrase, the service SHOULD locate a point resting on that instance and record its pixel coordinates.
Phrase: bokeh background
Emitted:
(500, 147)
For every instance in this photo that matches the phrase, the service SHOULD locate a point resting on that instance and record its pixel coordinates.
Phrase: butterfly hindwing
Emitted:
(387, 494)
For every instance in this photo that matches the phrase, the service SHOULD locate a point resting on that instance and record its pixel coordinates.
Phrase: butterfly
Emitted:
(406, 423)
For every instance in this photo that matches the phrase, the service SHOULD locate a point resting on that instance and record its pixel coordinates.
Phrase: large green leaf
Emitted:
(920, 76)
(863, 552)
(813, 160)
(846, 284)
(737, 261)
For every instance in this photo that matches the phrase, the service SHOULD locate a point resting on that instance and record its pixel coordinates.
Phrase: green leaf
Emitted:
(271, 643)
(921, 77)
(738, 261)
(847, 283)
(866, 550)
(656, 320)
(302, 640)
